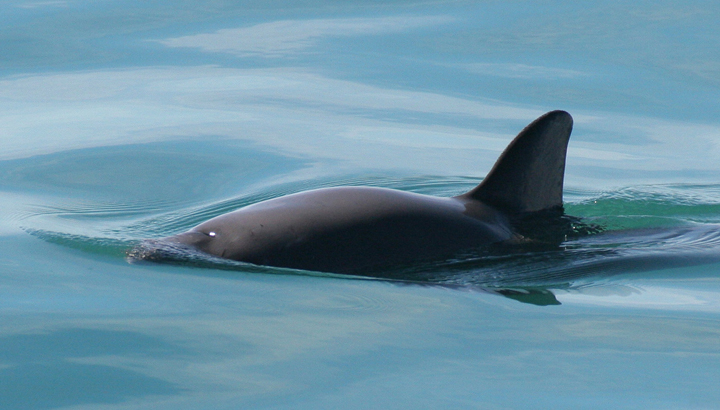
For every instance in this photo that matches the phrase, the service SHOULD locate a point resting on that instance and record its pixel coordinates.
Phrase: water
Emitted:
(124, 121)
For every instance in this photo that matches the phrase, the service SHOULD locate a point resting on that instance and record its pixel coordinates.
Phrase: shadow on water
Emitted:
(51, 370)
(599, 256)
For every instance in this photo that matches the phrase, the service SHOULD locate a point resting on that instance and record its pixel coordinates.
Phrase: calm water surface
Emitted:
(123, 121)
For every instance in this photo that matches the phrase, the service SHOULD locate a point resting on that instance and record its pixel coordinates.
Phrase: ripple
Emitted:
(99, 210)
(646, 227)
(90, 244)
(358, 302)
(652, 205)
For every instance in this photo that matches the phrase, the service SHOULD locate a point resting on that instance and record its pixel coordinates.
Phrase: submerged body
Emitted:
(355, 229)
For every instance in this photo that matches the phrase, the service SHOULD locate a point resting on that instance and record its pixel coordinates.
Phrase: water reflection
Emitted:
(333, 121)
(106, 109)
(161, 175)
(55, 369)
(287, 37)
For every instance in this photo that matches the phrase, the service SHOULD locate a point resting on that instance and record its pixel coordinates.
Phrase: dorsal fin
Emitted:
(528, 176)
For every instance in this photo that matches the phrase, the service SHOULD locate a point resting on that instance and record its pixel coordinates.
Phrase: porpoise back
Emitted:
(361, 229)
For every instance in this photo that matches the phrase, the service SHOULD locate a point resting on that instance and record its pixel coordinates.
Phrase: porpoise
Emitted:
(356, 229)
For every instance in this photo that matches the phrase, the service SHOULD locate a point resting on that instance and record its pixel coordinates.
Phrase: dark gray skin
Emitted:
(353, 229)
(348, 229)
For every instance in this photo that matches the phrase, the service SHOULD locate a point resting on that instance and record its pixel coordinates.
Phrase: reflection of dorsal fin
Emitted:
(539, 297)
(529, 174)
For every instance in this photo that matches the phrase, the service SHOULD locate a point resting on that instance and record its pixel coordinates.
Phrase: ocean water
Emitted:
(121, 121)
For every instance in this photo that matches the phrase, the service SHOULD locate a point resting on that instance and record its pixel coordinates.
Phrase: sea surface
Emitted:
(125, 120)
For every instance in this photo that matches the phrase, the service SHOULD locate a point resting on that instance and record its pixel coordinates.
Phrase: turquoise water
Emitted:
(124, 121)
